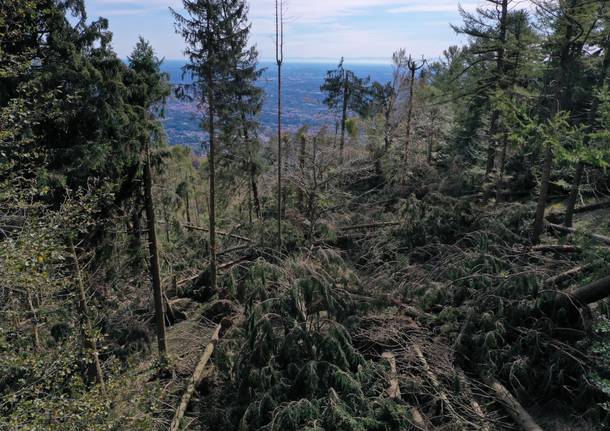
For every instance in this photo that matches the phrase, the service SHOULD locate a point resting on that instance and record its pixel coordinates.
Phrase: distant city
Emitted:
(303, 101)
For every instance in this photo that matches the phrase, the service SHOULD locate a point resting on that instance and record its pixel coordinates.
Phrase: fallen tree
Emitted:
(588, 294)
(568, 230)
(512, 406)
(198, 375)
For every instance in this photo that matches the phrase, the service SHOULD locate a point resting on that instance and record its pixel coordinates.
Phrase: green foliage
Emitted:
(292, 366)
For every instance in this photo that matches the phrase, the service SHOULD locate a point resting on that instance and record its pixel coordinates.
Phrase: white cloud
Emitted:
(319, 28)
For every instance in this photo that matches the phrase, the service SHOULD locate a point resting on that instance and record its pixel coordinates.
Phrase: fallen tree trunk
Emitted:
(203, 229)
(394, 392)
(370, 226)
(567, 275)
(593, 207)
(568, 230)
(196, 378)
(588, 294)
(513, 408)
(557, 248)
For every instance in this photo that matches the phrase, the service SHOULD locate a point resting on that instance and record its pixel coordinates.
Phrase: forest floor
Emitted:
(447, 295)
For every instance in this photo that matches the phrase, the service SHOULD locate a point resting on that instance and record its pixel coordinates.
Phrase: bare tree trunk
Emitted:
(279, 56)
(344, 114)
(571, 204)
(155, 270)
(34, 319)
(302, 150)
(188, 208)
(212, 180)
(409, 113)
(544, 193)
(88, 342)
(500, 182)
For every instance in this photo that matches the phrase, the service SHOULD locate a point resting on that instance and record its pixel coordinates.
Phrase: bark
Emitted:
(83, 311)
(500, 183)
(195, 380)
(344, 113)
(568, 230)
(279, 57)
(370, 226)
(218, 232)
(153, 248)
(557, 248)
(544, 193)
(570, 274)
(588, 294)
(212, 167)
(512, 406)
(569, 217)
(302, 150)
(34, 319)
(413, 69)
(491, 150)
(188, 208)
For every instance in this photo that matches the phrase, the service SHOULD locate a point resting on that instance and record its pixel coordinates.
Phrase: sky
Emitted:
(315, 30)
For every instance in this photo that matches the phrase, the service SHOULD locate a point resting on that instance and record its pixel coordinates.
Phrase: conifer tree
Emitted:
(573, 23)
(216, 33)
(347, 92)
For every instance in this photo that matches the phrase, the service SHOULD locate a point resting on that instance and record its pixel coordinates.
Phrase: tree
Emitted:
(216, 33)
(279, 59)
(344, 90)
(413, 67)
(489, 27)
(573, 22)
(150, 88)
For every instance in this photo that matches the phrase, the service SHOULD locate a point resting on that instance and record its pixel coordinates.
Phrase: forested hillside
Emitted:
(435, 259)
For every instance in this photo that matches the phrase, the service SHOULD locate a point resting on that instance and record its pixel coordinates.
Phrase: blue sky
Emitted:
(359, 30)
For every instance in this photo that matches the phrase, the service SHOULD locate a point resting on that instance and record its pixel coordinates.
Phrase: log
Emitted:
(370, 226)
(394, 391)
(197, 377)
(571, 273)
(568, 230)
(434, 380)
(557, 248)
(203, 229)
(590, 293)
(593, 207)
(512, 406)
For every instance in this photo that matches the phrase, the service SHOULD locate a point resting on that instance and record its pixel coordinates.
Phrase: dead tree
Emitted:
(279, 58)
(413, 67)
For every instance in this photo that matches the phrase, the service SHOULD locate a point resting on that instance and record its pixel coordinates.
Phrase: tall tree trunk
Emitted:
(212, 181)
(500, 182)
(302, 150)
(544, 193)
(279, 57)
(344, 114)
(559, 97)
(188, 207)
(153, 248)
(34, 319)
(495, 116)
(409, 114)
(254, 187)
(88, 342)
(571, 204)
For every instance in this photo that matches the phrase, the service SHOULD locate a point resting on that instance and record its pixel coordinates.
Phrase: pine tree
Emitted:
(347, 92)
(216, 33)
